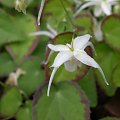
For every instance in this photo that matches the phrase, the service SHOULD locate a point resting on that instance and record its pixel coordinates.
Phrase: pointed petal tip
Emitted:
(38, 23)
(89, 35)
(107, 83)
(48, 94)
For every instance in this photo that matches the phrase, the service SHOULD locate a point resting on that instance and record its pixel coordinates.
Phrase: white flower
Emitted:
(72, 55)
(100, 7)
(13, 77)
(40, 11)
(20, 5)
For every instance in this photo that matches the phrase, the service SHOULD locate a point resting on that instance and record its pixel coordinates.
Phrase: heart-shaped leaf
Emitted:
(25, 112)
(9, 30)
(10, 102)
(33, 76)
(107, 59)
(5, 63)
(88, 85)
(111, 30)
(23, 49)
(115, 76)
(65, 102)
(57, 8)
(83, 23)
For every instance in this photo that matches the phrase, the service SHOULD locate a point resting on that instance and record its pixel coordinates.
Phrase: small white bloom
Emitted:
(13, 77)
(100, 7)
(72, 55)
(40, 11)
(20, 5)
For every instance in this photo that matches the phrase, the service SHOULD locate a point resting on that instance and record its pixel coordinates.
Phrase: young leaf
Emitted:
(65, 102)
(10, 102)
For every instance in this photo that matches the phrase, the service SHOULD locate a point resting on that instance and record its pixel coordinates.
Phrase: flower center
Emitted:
(70, 47)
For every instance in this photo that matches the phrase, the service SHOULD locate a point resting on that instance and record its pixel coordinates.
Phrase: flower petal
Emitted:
(40, 11)
(98, 11)
(58, 47)
(51, 79)
(88, 4)
(98, 34)
(106, 7)
(91, 45)
(87, 60)
(45, 33)
(71, 65)
(61, 58)
(79, 42)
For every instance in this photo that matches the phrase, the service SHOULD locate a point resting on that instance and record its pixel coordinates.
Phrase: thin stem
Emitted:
(67, 13)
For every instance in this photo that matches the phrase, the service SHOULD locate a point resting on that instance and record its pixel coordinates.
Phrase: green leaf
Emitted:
(116, 77)
(33, 77)
(9, 31)
(25, 112)
(88, 85)
(22, 49)
(55, 13)
(5, 63)
(111, 30)
(64, 102)
(83, 23)
(10, 3)
(62, 74)
(108, 60)
(10, 102)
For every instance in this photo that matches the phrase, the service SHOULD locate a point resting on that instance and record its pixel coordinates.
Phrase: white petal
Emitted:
(91, 45)
(79, 42)
(71, 65)
(98, 34)
(54, 32)
(45, 33)
(97, 11)
(88, 4)
(87, 60)
(106, 7)
(51, 79)
(61, 58)
(58, 47)
(40, 11)
(113, 2)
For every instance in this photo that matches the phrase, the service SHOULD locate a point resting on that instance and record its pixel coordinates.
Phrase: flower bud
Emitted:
(20, 5)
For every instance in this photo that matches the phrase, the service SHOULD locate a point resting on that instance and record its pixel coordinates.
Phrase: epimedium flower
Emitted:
(100, 7)
(13, 77)
(20, 5)
(72, 55)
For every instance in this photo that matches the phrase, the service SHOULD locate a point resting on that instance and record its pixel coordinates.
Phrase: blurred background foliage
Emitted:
(81, 95)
